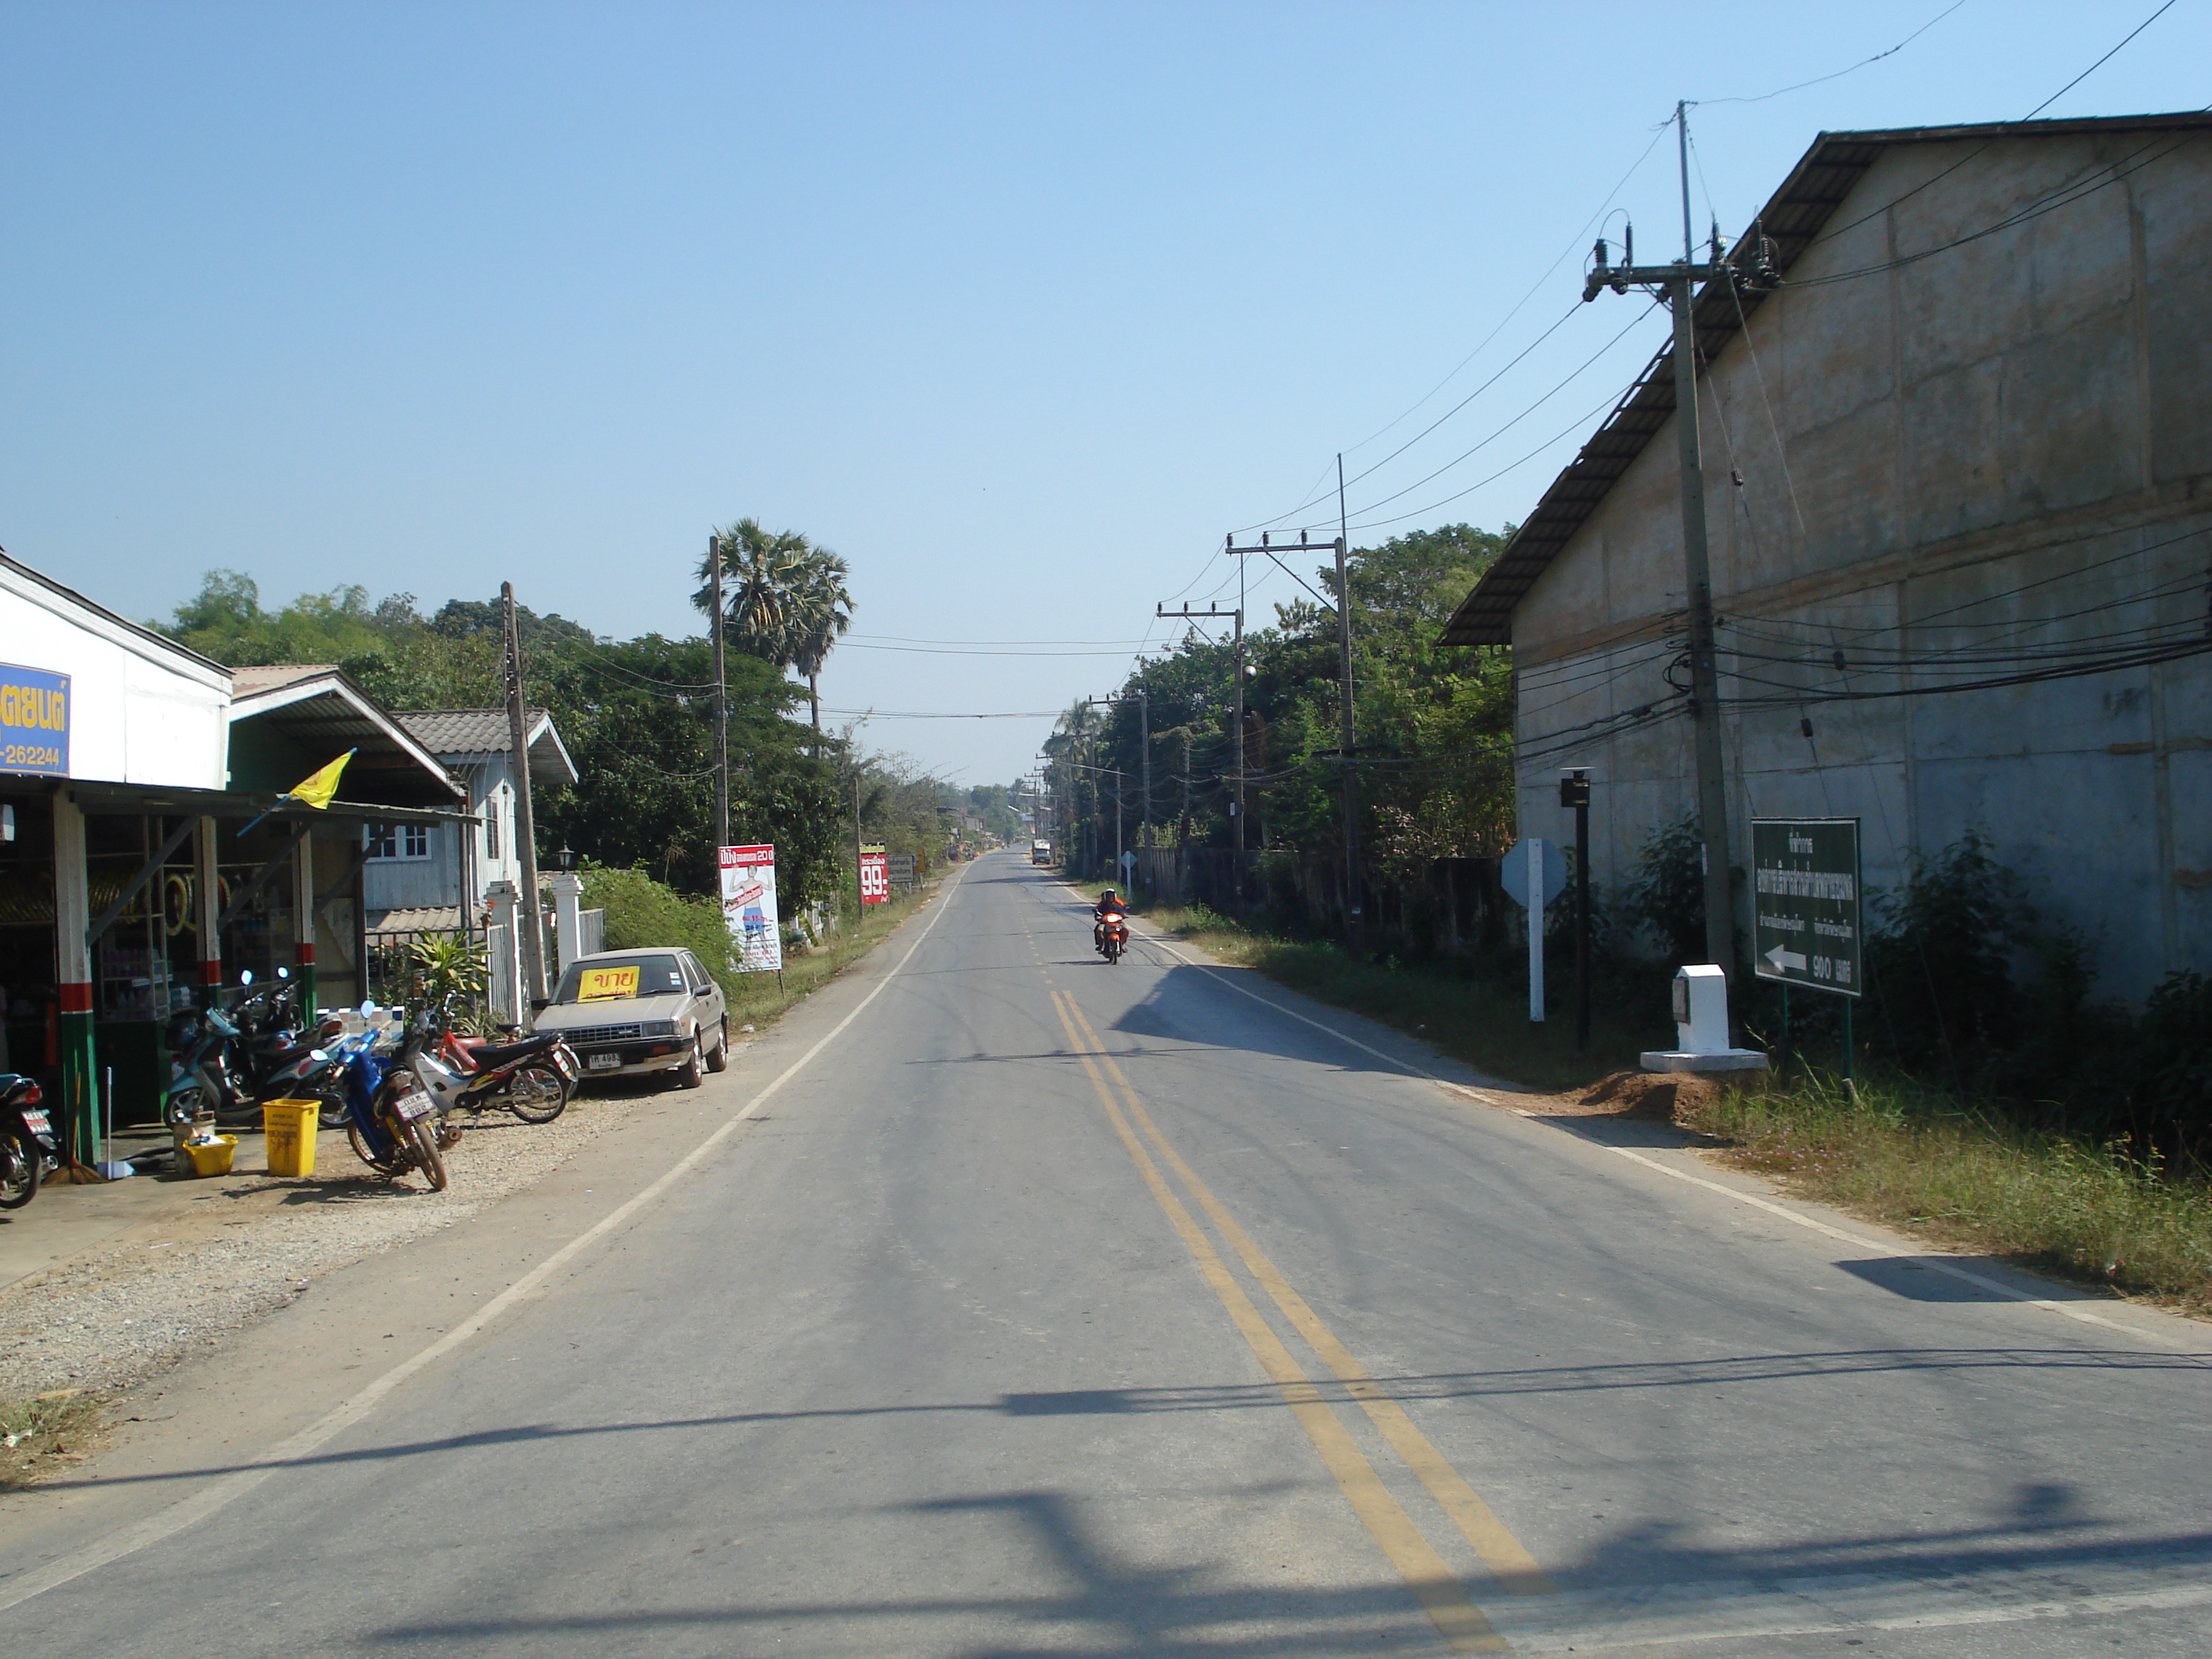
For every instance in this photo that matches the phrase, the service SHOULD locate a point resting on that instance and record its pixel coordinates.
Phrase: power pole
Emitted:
(721, 706)
(1679, 282)
(1348, 780)
(526, 821)
(1237, 800)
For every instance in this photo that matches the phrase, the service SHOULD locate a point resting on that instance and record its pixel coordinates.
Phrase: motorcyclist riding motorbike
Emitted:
(1109, 903)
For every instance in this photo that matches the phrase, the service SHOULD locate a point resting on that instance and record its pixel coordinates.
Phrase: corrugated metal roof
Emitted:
(1795, 216)
(451, 733)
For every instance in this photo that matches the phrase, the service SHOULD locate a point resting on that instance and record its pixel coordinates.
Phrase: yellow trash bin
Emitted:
(289, 1126)
(212, 1160)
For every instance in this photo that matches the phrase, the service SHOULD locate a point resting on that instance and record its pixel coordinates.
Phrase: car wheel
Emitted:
(691, 1074)
(719, 1058)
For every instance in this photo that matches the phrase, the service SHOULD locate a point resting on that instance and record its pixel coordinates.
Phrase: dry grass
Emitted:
(47, 1435)
(1910, 1158)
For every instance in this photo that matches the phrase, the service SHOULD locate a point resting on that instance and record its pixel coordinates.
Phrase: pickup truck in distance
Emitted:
(1040, 852)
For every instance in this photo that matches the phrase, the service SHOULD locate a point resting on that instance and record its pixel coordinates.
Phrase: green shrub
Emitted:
(643, 912)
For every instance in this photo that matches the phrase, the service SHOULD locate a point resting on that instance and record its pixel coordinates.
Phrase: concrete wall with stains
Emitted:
(1992, 461)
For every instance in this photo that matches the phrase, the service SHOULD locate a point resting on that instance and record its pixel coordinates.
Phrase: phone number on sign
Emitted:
(24, 754)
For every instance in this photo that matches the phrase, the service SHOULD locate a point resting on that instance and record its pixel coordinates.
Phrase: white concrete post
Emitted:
(506, 940)
(568, 916)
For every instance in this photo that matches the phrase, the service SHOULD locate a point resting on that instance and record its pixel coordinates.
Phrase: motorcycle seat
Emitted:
(493, 1054)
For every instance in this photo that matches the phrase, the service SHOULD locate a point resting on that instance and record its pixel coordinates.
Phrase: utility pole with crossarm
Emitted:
(1679, 282)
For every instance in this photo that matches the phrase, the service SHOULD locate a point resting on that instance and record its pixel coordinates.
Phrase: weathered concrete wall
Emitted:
(1994, 459)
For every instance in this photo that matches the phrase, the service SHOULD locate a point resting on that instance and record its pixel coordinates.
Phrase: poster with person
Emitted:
(749, 908)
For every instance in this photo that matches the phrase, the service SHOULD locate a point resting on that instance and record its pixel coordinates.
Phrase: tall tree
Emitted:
(784, 599)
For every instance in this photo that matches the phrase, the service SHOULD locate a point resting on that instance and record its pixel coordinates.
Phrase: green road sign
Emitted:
(1806, 927)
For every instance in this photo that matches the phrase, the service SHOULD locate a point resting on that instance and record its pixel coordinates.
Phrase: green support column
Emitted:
(80, 1115)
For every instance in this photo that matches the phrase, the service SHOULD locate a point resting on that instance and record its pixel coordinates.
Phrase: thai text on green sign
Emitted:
(1806, 926)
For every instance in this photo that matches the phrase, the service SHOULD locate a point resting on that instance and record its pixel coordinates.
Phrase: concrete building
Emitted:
(1959, 481)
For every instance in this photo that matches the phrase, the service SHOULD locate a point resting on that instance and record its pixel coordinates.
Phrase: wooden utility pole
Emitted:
(1680, 281)
(1348, 774)
(721, 705)
(1354, 887)
(530, 917)
(1236, 800)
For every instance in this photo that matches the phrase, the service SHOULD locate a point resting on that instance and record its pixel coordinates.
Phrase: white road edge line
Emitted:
(192, 1511)
(2071, 1310)
(1933, 1263)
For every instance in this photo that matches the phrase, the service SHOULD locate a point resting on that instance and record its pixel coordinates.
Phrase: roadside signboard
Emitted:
(749, 908)
(899, 867)
(1533, 873)
(1807, 927)
(875, 875)
(34, 721)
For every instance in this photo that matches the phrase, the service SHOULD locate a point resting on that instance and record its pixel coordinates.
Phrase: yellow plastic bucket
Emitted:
(213, 1160)
(290, 1128)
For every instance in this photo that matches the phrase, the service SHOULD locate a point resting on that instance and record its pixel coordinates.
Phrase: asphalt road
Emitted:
(1050, 1307)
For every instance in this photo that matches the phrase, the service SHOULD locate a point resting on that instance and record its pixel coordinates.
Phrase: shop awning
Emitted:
(151, 799)
(288, 721)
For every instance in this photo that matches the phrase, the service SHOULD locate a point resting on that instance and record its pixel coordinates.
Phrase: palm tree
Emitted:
(820, 611)
(760, 571)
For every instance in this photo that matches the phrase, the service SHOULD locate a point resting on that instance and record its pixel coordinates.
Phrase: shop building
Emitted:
(147, 853)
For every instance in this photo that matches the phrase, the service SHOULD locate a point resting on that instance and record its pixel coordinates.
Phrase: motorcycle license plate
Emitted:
(603, 1062)
(34, 1119)
(416, 1104)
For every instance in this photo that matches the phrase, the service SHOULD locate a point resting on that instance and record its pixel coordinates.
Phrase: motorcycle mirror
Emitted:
(246, 976)
(283, 973)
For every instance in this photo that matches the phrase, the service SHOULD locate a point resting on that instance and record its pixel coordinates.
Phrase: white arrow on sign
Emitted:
(1783, 960)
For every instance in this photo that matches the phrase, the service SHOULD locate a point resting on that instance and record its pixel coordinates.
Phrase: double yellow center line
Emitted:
(1432, 1582)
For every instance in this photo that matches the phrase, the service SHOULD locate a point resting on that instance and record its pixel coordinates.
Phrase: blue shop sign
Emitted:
(34, 720)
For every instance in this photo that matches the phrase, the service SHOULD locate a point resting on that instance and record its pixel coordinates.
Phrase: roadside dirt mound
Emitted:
(1652, 1096)
(1646, 1096)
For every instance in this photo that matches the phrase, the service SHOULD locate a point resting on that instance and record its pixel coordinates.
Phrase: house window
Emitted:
(399, 841)
(491, 828)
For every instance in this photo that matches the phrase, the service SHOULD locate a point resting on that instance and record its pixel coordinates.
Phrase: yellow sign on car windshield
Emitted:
(604, 984)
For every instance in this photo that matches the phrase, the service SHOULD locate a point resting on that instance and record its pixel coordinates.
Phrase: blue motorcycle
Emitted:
(393, 1125)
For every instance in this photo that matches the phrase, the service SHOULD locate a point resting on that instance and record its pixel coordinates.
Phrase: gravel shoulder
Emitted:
(176, 1284)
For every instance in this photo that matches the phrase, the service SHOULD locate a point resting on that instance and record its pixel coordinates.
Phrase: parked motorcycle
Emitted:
(238, 1048)
(536, 1090)
(200, 1041)
(28, 1146)
(531, 1077)
(393, 1126)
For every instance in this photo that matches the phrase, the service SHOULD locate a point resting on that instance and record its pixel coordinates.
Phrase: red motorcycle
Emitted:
(541, 1071)
(1113, 935)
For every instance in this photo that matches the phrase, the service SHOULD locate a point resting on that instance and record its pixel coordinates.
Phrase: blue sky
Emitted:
(1020, 308)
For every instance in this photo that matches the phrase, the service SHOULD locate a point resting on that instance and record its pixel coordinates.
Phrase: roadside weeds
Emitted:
(1912, 1159)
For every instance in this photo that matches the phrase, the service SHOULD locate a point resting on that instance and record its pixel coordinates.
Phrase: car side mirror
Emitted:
(540, 1004)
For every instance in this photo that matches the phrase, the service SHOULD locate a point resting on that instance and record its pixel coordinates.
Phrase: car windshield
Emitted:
(607, 979)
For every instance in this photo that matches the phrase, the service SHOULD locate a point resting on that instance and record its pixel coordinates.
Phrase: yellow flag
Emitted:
(318, 789)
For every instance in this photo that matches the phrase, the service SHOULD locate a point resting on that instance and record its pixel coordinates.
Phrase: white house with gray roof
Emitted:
(427, 876)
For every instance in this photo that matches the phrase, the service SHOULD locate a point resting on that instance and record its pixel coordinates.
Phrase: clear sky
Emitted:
(1020, 308)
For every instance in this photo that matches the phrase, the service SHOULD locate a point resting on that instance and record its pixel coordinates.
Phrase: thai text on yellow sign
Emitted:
(604, 984)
